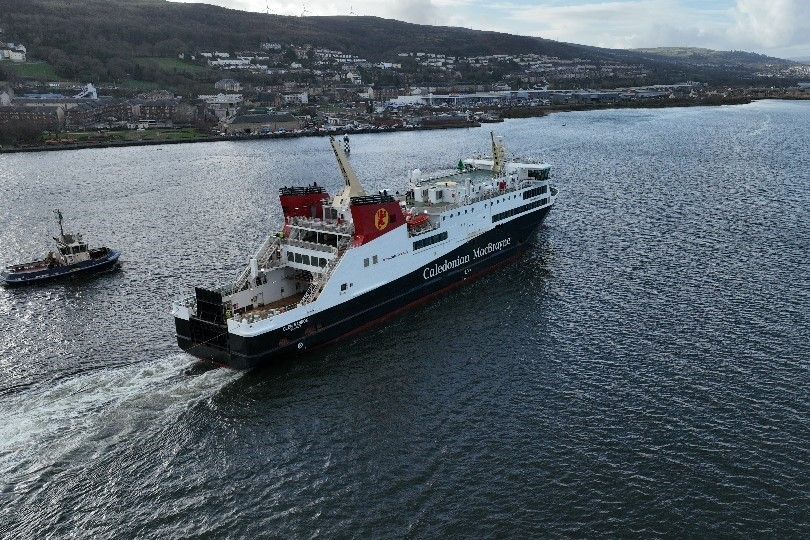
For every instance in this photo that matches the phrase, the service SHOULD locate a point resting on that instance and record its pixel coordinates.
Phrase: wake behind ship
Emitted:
(346, 263)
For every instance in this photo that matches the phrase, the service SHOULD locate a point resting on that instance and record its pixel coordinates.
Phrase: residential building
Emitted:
(222, 105)
(6, 95)
(297, 98)
(228, 85)
(42, 119)
(12, 52)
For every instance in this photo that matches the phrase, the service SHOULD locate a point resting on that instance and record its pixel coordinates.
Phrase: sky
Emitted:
(775, 27)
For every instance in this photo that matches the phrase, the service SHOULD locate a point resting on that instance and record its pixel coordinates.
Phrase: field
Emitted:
(31, 70)
(170, 65)
(131, 84)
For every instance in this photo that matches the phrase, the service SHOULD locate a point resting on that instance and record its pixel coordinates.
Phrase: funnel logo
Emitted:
(381, 219)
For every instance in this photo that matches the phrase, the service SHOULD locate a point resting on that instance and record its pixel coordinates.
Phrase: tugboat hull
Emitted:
(16, 277)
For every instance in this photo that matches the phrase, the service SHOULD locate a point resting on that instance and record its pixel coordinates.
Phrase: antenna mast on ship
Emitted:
(58, 214)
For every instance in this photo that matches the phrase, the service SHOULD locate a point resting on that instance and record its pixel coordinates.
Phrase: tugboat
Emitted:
(74, 257)
(344, 264)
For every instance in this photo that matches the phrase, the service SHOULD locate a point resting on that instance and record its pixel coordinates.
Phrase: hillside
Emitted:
(103, 40)
(700, 56)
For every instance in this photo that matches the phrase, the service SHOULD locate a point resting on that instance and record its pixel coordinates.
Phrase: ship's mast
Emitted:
(58, 214)
(353, 187)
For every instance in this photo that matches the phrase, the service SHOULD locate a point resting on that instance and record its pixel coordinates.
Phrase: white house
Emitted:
(12, 52)
(302, 98)
(228, 85)
(5, 97)
(237, 63)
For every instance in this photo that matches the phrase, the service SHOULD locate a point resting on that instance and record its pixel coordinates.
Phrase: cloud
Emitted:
(772, 24)
(416, 11)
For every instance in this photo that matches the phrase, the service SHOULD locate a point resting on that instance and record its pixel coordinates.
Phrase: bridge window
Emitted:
(430, 240)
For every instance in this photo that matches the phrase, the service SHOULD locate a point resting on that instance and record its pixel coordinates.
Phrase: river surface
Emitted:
(642, 371)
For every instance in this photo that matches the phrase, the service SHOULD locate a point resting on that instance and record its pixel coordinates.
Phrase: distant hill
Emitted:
(102, 40)
(696, 55)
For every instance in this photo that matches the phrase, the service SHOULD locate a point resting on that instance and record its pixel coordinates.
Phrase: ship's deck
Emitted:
(473, 175)
(262, 311)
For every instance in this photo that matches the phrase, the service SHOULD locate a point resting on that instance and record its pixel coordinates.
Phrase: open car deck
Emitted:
(263, 310)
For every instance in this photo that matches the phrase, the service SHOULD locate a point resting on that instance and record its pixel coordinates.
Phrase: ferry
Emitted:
(73, 257)
(343, 264)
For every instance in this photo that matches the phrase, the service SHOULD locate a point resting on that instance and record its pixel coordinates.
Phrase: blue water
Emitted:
(642, 371)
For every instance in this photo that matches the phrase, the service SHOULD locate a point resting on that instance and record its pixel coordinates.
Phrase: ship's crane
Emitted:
(353, 187)
(498, 155)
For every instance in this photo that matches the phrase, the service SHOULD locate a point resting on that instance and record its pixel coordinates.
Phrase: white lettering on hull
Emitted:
(295, 326)
(491, 247)
(440, 268)
(445, 266)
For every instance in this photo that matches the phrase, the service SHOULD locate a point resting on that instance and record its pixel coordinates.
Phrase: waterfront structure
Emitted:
(343, 264)
(255, 124)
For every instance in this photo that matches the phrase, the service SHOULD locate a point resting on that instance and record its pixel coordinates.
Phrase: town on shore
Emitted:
(289, 90)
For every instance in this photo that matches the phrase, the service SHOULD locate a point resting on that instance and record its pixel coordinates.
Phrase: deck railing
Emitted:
(311, 246)
(319, 280)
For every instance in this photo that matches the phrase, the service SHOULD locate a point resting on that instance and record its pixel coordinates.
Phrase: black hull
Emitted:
(212, 342)
(93, 266)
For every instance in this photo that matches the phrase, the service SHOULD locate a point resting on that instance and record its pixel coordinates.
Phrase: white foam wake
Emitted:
(97, 407)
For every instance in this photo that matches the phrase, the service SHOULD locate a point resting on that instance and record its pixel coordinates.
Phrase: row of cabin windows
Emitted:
(534, 192)
(519, 210)
(306, 259)
(450, 215)
(430, 240)
(81, 248)
(539, 174)
(373, 260)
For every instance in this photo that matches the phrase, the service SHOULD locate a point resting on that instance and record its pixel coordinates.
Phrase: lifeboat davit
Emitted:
(416, 221)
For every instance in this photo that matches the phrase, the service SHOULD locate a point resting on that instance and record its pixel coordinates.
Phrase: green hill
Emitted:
(139, 40)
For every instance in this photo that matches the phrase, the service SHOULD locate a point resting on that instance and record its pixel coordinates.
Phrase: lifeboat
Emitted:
(416, 221)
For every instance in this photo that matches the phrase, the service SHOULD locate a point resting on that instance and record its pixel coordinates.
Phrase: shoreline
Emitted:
(511, 113)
